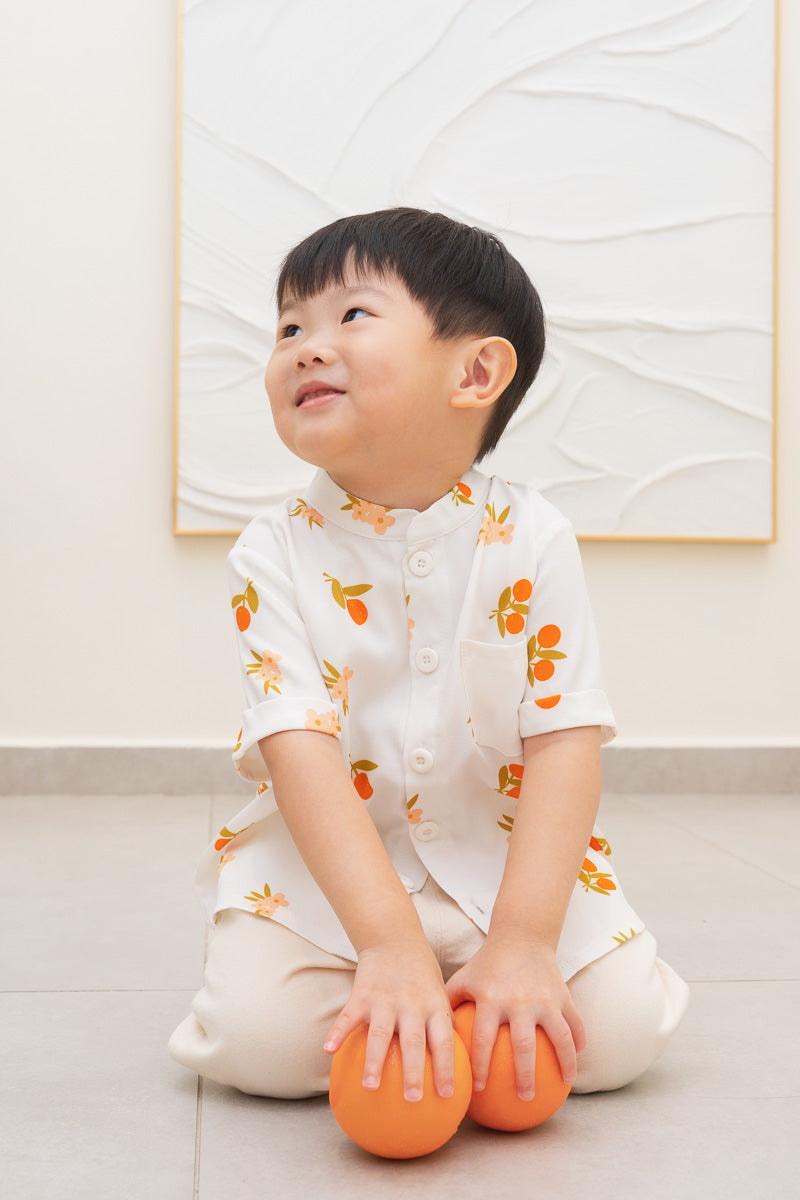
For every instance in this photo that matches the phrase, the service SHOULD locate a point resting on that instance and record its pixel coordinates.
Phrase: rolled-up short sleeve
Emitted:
(283, 684)
(564, 688)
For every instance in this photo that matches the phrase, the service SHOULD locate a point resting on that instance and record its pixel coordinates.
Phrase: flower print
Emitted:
(265, 903)
(371, 514)
(414, 813)
(306, 513)
(265, 667)
(594, 880)
(347, 598)
(511, 608)
(411, 621)
(224, 859)
(337, 683)
(461, 493)
(494, 528)
(244, 604)
(326, 722)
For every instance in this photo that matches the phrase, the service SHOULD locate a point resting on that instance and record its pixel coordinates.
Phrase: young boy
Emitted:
(425, 712)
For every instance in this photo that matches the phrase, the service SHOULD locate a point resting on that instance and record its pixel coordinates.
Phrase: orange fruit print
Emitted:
(358, 773)
(346, 598)
(511, 608)
(381, 1121)
(357, 610)
(549, 636)
(245, 603)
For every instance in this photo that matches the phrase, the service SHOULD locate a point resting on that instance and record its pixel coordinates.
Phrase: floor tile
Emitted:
(101, 892)
(91, 1106)
(738, 1041)
(628, 1144)
(713, 915)
(761, 830)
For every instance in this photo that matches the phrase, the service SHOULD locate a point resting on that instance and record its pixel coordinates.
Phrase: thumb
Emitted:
(458, 989)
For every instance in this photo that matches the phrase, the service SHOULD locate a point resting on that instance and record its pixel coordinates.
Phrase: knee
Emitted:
(631, 1004)
(260, 1019)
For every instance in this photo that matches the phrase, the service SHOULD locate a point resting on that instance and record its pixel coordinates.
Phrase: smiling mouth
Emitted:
(316, 396)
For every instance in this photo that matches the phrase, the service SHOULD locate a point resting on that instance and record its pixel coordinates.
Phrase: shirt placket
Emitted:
(425, 578)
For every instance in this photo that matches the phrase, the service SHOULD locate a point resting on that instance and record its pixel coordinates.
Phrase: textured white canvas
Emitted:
(624, 153)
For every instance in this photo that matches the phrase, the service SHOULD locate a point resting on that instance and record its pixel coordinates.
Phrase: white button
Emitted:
(427, 660)
(420, 563)
(421, 760)
(426, 831)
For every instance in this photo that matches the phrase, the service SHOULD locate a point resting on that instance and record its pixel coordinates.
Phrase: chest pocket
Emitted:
(494, 682)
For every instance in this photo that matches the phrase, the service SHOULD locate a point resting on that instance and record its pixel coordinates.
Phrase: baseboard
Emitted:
(207, 770)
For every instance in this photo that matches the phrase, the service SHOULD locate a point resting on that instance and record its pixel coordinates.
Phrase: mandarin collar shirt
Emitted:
(429, 644)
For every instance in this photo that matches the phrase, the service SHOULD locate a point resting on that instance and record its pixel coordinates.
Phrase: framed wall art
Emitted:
(625, 153)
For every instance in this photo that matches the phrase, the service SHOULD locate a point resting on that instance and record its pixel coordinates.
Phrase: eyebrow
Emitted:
(352, 289)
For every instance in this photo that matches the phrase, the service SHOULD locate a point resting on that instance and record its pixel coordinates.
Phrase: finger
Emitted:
(344, 1024)
(523, 1046)
(412, 1052)
(560, 1035)
(441, 1042)
(380, 1034)
(484, 1036)
(457, 991)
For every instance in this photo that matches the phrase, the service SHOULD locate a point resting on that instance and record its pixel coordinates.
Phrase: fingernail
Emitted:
(370, 1081)
(329, 1046)
(446, 1091)
(478, 1086)
(413, 1095)
(526, 1095)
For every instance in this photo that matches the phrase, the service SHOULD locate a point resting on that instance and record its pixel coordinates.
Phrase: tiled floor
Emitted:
(103, 948)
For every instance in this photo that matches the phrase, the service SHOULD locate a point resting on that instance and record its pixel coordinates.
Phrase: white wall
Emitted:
(114, 630)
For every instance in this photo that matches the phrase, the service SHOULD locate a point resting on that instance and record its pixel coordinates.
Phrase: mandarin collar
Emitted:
(364, 519)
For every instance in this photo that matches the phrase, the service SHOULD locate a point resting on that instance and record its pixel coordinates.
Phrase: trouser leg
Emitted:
(268, 1000)
(631, 1003)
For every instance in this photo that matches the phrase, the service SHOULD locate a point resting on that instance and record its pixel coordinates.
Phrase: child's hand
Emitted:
(515, 982)
(399, 988)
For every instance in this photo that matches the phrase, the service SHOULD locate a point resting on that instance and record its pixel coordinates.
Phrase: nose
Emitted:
(314, 349)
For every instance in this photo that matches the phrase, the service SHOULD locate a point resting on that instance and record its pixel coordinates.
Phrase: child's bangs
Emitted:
(320, 261)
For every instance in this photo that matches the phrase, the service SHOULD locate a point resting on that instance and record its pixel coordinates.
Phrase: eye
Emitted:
(353, 314)
(288, 331)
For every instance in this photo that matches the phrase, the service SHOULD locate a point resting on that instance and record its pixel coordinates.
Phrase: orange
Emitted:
(363, 786)
(498, 1106)
(242, 617)
(357, 610)
(522, 589)
(548, 701)
(543, 670)
(549, 636)
(515, 623)
(382, 1121)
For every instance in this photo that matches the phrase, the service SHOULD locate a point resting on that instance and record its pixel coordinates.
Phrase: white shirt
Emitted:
(429, 643)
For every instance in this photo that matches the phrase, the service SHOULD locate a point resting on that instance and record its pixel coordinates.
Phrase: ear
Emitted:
(488, 370)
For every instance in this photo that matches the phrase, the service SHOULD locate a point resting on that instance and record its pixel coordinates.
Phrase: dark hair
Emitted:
(464, 278)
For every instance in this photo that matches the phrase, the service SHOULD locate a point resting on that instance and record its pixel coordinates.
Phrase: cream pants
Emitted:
(269, 998)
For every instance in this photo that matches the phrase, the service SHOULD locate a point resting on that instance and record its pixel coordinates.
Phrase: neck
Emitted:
(407, 492)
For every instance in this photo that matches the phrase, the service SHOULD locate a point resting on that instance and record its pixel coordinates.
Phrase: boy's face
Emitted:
(359, 385)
